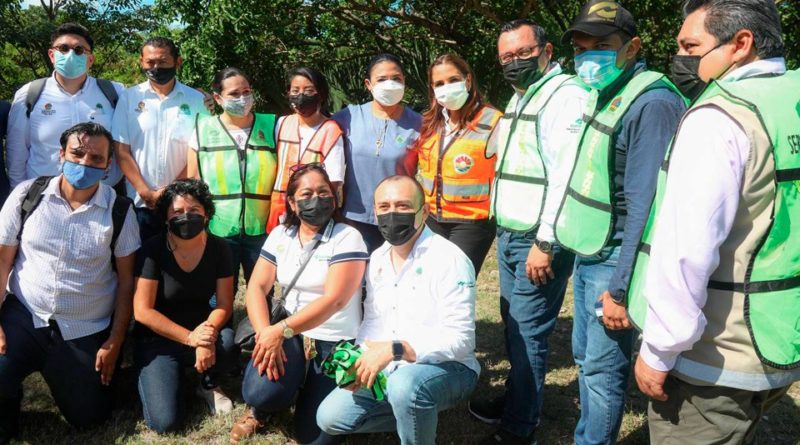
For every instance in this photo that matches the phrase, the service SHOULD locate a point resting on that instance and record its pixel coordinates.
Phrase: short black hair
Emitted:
(73, 29)
(420, 192)
(380, 58)
(538, 31)
(163, 42)
(724, 18)
(87, 129)
(315, 77)
(195, 188)
(226, 73)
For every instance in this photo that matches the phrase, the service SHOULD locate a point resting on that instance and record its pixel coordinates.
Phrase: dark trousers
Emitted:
(149, 224)
(161, 362)
(66, 365)
(303, 381)
(473, 238)
(245, 250)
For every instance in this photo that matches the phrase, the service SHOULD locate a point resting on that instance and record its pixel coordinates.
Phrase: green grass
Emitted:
(41, 423)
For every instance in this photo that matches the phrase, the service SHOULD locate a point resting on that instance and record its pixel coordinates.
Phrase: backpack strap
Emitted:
(35, 89)
(32, 200)
(108, 91)
(118, 213)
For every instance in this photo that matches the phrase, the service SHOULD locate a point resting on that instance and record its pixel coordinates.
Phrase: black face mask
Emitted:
(685, 74)
(315, 211)
(397, 227)
(187, 226)
(305, 104)
(522, 73)
(160, 75)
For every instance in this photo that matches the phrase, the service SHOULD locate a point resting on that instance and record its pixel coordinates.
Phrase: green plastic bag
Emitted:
(341, 360)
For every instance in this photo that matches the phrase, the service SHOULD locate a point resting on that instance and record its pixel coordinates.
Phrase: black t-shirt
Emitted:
(183, 297)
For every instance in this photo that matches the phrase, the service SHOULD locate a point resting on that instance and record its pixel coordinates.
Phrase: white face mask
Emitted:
(452, 96)
(388, 92)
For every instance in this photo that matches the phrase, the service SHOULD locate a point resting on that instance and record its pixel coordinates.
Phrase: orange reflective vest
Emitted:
(288, 146)
(457, 177)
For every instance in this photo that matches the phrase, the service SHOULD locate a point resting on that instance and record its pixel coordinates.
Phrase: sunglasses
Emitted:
(64, 49)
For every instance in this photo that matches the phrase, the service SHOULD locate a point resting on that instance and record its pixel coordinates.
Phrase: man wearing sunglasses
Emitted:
(45, 108)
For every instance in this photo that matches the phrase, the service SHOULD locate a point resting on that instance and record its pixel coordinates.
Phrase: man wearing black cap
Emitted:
(630, 118)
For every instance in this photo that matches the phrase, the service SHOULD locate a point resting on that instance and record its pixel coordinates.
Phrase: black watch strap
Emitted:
(397, 350)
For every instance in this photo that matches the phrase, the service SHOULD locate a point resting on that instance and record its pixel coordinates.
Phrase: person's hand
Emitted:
(2, 342)
(205, 334)
(208, 101)
(377, 356)
(537, 266)
(150, 197)
(206, 357)
(650, 381)
(615, 316)
(268, 354)
(106, 360)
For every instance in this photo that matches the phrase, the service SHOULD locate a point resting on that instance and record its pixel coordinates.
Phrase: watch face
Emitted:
(545, 246)
(288, 333)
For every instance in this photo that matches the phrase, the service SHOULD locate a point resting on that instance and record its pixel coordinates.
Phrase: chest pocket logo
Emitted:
(463, 163)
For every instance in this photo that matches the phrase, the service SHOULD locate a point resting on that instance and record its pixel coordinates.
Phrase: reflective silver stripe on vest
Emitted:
(465, 190)
(427, 184)
(734, 379)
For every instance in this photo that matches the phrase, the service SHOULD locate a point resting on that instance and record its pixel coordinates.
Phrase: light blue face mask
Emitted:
(82, 176)
(70, 65)
(597, 69)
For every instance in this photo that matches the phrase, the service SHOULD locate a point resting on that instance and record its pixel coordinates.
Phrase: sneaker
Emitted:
(246, 426)
(217, 401)
(488, 411)
(502, 437)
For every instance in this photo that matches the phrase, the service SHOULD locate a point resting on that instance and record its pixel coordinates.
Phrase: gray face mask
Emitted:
(238, 106)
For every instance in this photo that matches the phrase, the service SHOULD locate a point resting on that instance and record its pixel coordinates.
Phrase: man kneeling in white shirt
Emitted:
(418, 327)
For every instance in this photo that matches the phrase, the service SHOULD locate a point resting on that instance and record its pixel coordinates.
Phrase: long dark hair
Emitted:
(432, 119)
(291, 219)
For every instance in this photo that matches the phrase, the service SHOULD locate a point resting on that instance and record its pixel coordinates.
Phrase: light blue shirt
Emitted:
(369, 161)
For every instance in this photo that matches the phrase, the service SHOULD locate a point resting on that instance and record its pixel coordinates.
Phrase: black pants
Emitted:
(66, 365)
(473, 238)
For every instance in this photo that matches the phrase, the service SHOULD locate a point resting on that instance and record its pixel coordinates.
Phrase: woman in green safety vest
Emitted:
(234, 153)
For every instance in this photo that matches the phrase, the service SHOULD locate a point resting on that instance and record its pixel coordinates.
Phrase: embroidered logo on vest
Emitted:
(463, 163)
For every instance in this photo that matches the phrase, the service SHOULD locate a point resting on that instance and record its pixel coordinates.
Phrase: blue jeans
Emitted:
(303, 383)
(66, 365)
(161, 362)
(415, 395)
(529, 314)
(245, 251)
(603, 356)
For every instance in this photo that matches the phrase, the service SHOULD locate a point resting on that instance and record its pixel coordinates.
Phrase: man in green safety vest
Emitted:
(629, 121)
(720, 300)
(535, 142)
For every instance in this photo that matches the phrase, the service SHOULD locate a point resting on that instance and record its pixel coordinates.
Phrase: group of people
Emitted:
(669, 200)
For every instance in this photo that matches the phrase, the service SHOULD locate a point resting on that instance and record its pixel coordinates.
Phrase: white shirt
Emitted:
(696, 215)
(560, 129)
(429, 302)
(157, 131)
(340, 242)
(334, 162)
(63, 266)
(34, 143)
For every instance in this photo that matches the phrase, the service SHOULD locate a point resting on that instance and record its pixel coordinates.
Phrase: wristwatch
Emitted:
(287, 331)
(397, 350)
(544, 246)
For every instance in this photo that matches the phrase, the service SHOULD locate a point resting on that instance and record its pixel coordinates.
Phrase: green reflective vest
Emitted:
(520, 170)
(770, 282)
(240, 181)
(585, 220)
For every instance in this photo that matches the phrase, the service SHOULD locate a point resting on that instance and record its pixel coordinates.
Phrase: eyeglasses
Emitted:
(524, 53)
(64, 48)
(300, 167)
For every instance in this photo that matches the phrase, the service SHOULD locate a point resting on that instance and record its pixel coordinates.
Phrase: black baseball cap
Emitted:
(599, 18)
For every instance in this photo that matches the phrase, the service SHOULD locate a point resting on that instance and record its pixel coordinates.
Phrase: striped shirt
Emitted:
(339, 243)
(63, 266)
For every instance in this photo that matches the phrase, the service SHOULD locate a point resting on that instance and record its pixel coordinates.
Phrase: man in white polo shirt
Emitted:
(152, 128)
(68, 97)
(418, 327)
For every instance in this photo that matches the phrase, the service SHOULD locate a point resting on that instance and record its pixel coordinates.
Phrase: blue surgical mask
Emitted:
(597, 69)
(70, 65)
(82, 176)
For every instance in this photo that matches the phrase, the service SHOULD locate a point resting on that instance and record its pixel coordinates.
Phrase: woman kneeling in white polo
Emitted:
(324, 304)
